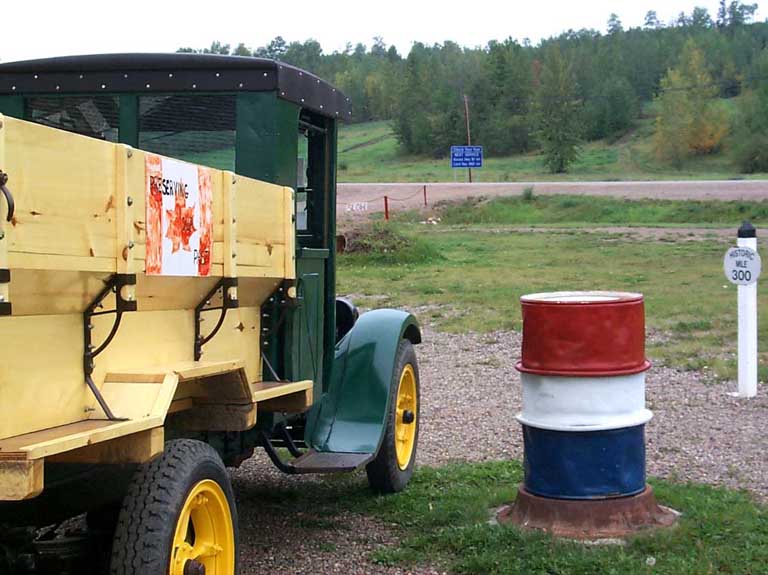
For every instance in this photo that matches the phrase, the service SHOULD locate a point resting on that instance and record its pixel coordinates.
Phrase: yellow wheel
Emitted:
(405, 417)
(392, 468)
(204, 533)
(179, 516)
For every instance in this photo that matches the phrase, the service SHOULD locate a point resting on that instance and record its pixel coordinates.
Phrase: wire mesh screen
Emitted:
(198, 129)
(94, 116)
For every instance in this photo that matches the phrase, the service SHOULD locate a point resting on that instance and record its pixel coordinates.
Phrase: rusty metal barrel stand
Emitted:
(583, 418)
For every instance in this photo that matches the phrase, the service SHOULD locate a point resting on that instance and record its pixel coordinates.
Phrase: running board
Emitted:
(313, 461)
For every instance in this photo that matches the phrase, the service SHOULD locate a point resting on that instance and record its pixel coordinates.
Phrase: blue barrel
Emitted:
(584, 465)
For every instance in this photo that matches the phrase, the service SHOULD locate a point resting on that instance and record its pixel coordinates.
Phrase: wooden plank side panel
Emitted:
(262, 224)
(41, 373)
(289, 255)
(63, 184)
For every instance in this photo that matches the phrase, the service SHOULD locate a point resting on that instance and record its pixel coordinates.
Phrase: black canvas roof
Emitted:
(148, 73)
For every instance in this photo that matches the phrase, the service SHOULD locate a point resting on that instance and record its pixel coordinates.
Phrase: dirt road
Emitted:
(370, 197)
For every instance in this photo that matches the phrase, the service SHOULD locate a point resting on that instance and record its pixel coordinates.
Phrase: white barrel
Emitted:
(561, 403)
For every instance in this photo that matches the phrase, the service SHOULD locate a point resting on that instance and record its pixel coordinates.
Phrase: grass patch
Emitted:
(445, 512)
(528, 209)
(381, 243)
(442, 520)
(480, 276)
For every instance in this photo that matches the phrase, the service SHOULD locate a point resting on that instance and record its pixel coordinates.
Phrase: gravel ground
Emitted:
(470, 395)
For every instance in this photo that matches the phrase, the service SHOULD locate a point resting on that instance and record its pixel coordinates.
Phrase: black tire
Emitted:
(151, 509)
(384, 473)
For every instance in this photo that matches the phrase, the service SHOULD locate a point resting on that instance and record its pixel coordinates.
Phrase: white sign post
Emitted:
(742, 267)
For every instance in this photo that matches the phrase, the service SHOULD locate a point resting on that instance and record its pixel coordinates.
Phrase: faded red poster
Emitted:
(154, 226)
(179, 218)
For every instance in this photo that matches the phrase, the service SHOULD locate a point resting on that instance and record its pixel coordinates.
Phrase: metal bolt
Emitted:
(130, 152)
(2, 297)
(234, 256)
(408, 417)
(2, 235)
(130, 201)
(130, 245)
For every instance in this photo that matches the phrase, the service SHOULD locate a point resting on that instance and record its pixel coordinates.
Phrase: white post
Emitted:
(747, 238)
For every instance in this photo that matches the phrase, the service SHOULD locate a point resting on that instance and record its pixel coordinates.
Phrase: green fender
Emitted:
(351, 416)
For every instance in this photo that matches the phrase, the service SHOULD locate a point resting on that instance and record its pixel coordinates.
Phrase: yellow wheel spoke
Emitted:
(405, 433)
(205, 532)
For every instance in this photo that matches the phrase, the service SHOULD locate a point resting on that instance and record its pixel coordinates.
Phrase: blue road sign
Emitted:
(466, 156)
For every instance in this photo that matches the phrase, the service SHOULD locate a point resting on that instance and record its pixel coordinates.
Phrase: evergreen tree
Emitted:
(559, 129)
(751, 129)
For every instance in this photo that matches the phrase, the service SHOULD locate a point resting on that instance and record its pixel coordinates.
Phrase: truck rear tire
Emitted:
(392, 468)
(179, 516)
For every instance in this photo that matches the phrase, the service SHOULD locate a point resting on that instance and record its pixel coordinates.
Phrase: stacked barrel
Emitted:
(583, 417)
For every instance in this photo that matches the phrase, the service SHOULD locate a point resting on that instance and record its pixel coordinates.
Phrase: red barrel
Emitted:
(595, 333)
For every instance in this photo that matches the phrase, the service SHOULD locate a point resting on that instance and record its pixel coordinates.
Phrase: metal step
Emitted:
(323, 462)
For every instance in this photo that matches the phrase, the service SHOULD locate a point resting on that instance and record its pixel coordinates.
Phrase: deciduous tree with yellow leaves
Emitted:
(689, 119)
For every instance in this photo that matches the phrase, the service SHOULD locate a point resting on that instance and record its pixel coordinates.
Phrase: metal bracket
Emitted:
(227, 302)
(274, 312)
(114, 285)
(5, 306)
(8, 196)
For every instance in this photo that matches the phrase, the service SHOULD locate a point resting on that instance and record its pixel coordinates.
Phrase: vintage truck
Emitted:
(168, 304)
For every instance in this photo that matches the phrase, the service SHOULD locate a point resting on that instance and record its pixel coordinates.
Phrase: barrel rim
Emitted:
(645, 366)
(580, 298)
(640, 417)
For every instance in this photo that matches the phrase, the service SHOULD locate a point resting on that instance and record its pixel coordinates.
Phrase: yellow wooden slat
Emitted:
(268, 390)
(21, 480)
(73, 436)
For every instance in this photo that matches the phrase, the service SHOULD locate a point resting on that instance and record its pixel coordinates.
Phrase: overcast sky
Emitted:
(42, 28)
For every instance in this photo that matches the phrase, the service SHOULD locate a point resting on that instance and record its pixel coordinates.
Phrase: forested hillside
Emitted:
(580, 86)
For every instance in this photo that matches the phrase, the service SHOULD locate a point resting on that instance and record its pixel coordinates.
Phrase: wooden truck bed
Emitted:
(83, 214)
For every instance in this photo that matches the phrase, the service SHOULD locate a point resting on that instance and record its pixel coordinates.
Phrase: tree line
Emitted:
(579, 86)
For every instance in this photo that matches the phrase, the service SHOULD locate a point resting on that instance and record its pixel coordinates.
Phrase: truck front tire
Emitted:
(393, 466)
(179, 516)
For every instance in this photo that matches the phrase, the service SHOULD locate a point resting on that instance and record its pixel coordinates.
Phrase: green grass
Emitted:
(370, 152)
(563, 210)
(442, 520)
(477, 283)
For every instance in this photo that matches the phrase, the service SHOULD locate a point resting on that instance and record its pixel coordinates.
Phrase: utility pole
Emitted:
(466, 121)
